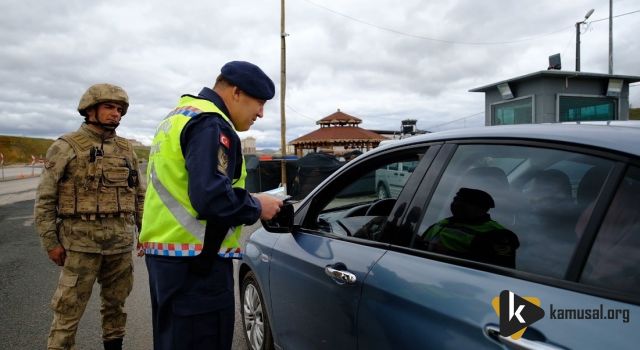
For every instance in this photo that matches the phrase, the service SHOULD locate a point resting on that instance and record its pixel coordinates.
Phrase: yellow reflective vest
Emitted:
(169, 225)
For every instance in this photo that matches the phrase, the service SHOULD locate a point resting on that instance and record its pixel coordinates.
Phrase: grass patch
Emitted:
(18, 149)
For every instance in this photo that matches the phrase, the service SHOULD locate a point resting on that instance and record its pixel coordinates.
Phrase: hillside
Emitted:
(18, 150)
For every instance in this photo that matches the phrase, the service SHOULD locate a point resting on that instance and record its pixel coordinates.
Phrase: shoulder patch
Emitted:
(223, 161)
(48, 164)
(224, 140)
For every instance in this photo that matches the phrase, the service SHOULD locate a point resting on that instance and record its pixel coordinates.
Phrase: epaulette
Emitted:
(79, 142)
(123, 143)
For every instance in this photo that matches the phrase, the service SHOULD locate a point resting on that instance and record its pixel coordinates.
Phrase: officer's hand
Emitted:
(270, 205)
(57, 255)
(140, 249)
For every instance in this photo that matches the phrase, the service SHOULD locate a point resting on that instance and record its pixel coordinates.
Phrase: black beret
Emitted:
(475, 197)
(249, 78)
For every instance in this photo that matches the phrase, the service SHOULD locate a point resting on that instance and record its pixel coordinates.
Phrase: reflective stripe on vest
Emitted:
(174, 230)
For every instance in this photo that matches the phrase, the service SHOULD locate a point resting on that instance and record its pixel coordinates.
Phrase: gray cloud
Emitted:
(382, 71)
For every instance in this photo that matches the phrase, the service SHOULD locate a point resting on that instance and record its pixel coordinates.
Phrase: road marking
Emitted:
(21, 217)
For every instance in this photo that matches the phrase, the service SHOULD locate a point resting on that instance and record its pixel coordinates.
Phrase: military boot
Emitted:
(113, 344)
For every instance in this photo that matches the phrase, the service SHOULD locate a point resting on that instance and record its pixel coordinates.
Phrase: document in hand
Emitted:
(279, 192)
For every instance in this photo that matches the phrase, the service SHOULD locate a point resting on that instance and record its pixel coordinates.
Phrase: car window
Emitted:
(574, 170)
(365, 196)
(614, 259)
(409, 166)
(525, 218)
(390, 180)
(507, 164)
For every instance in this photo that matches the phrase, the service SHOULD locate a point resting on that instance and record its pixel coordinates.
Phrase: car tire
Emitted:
(383, 192)
(255, 322)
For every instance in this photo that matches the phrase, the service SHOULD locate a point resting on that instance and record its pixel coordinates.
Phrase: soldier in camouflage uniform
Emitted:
(88, 210)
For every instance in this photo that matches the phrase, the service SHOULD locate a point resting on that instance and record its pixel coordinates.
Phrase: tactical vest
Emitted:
(170, 227)
(95, 183)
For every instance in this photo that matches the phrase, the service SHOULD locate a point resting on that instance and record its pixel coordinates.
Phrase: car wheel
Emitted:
(254, 315)
(382, 192)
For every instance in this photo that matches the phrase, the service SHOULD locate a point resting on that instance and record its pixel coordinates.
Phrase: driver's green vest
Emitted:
(169, 224)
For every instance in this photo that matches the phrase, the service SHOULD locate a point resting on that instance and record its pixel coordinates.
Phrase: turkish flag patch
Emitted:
(224, 140)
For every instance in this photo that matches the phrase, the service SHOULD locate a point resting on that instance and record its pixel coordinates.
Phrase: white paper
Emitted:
(278, 192)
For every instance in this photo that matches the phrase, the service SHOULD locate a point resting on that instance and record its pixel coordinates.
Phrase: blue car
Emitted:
(532, 229)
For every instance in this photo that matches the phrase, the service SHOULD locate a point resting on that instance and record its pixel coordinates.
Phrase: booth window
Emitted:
(513, 112)
(581, 108)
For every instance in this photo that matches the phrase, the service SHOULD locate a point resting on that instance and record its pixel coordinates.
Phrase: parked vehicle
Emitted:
(390, 179)
(354, 272)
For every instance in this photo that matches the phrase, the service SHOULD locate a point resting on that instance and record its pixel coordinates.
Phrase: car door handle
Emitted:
(521, 344)
(340, 276)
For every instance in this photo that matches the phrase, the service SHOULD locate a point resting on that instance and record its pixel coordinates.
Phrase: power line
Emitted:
(620, 15)
(299, 113)
(455, 120)
(566, 46)
(454, 42)
(434, 126)
(589, 23)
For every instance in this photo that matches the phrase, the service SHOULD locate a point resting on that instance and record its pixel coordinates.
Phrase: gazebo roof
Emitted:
(339, 118)
(339, 134)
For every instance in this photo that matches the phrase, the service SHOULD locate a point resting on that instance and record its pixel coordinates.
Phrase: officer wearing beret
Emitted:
(470, 232)
(196, 206)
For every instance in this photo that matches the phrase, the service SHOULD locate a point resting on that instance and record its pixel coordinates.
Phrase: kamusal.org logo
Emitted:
(556, 313)
(516, 313)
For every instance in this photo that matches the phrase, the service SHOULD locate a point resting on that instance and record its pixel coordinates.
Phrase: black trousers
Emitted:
(192, 301)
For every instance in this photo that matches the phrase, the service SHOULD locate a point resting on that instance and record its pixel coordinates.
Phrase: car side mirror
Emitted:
(282, 222)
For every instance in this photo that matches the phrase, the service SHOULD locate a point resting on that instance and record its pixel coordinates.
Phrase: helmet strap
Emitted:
(108, 127)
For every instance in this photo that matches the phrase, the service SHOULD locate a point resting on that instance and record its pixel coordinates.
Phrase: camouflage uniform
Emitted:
(90, 201)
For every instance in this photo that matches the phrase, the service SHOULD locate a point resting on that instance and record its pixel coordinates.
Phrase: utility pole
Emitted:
(283, 87)
(578, 46)
(610, 36)
(578, 38)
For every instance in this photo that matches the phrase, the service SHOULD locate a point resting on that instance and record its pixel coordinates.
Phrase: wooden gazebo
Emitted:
(339, 133)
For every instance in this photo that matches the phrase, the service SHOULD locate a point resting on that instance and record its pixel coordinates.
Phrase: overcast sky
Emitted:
(379, 60)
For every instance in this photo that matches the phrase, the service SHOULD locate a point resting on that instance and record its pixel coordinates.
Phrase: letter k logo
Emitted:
(522, 312)
(511, 306)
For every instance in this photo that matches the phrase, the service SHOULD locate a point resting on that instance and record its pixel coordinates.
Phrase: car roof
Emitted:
(622, 137)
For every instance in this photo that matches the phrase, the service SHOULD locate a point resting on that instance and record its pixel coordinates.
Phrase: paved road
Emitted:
(28, 279)
(16, 172)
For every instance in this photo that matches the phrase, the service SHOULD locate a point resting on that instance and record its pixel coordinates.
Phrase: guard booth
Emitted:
(555, 96)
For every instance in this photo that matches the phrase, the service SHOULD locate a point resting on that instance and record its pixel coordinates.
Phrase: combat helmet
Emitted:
(99, 93)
